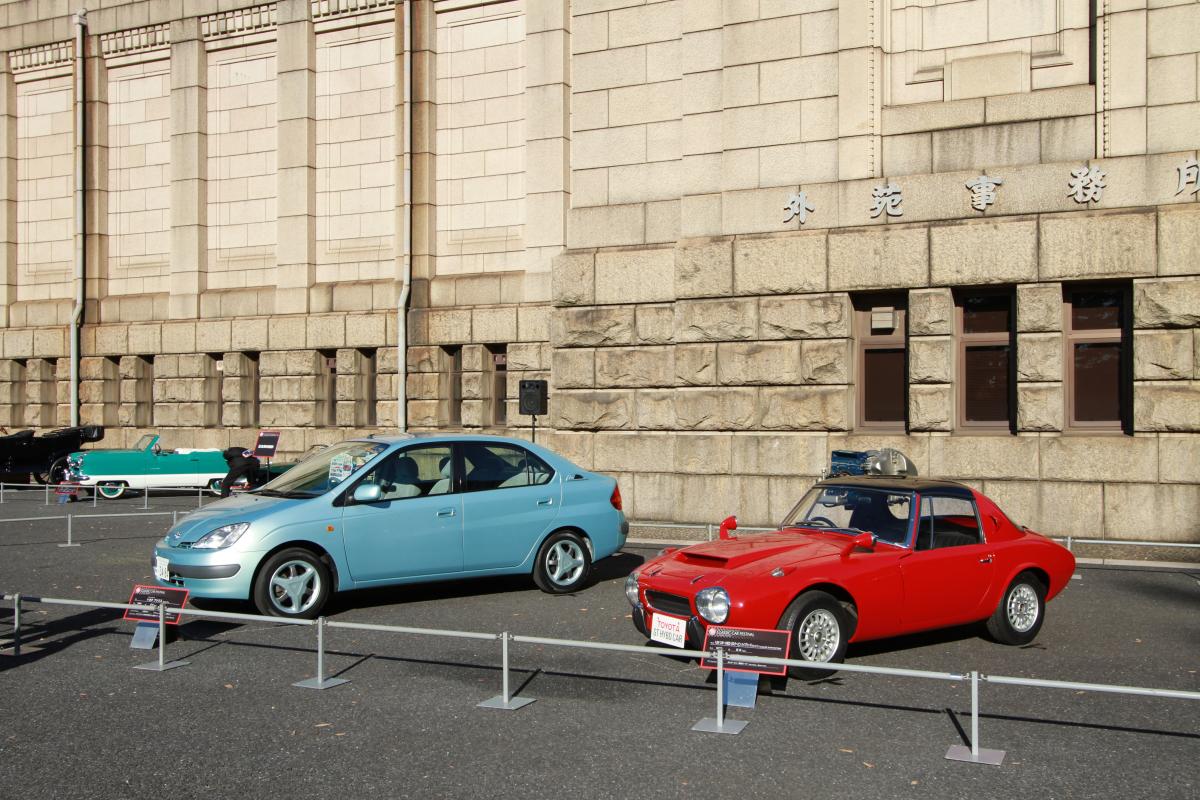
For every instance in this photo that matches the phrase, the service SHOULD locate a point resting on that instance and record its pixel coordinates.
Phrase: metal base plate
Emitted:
(154, 667)
(512, 704)
(72, 544)
(959, 752)
(6, 649)
(710, 725)
(313, 683)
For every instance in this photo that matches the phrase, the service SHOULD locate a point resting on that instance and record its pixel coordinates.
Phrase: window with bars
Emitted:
(1097, 361)
(881, 337)
(986, 359)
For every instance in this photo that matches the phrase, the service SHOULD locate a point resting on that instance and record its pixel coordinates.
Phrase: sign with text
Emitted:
(267, 444)
(747, 642)
(156, 596)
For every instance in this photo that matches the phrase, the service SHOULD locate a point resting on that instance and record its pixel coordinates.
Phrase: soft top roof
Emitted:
(901, 483)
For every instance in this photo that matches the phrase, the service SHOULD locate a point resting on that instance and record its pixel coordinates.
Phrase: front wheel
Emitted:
(563, 564)
(111, 490)
(1019, 616)
(293, 583)
(214, 487)
(821, 628)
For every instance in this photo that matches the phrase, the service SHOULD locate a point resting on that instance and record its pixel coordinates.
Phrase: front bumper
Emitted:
(208, 573)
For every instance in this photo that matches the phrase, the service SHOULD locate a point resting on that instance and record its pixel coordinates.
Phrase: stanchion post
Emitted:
(47, 494)
(199, 498)
(95, 496)
(719, 724)
(174, 518)
(975, 754)
(162, 665)
(708, 531)
(320, 681)
(146, 498)
(69, 542)
(504, 701)
(16, 637)
(1, 491)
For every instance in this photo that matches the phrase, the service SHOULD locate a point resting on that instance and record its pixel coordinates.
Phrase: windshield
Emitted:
(845, 509)
(145, 441)
(324, 470)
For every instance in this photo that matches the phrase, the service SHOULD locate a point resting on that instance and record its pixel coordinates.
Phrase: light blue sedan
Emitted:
(392, 510)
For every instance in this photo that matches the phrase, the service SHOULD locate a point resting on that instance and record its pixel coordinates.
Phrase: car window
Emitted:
(853, 509)
(412, 472)
(321, 472)
(947, 522)
(502, 466)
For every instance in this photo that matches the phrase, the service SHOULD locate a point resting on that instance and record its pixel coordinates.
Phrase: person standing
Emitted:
(242, 464)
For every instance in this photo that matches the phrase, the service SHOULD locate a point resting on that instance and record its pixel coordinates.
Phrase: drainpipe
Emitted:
(80, 21)
(406, 237)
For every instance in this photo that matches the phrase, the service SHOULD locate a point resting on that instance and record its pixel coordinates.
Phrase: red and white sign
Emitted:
(156, 596)
(669, 630)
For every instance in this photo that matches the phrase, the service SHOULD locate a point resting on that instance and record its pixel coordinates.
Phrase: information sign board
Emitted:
(267, 444)
(746, 642)
(156, 596)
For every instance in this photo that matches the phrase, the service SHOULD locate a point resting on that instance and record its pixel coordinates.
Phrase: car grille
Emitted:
(669, 603)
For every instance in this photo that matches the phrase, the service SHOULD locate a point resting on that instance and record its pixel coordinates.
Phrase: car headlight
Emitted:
(713, 604)
(631, 589)
(223, 536)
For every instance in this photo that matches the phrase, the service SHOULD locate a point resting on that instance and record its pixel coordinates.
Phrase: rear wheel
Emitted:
(563, 563)
(821, 627)
(111, 490)
(1022, 609)
(214, 486)
(58, 471)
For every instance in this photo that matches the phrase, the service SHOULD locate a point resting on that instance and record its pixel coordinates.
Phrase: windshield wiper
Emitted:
(278, 493)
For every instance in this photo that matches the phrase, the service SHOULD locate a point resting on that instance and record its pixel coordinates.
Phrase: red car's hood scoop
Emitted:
(734, 553)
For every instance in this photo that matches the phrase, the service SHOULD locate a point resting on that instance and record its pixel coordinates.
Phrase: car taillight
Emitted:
(616, 498)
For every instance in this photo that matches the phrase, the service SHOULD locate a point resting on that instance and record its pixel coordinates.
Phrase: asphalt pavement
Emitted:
(77, 721)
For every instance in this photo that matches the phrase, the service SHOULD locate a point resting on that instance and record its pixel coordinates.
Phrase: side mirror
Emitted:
(728, 524)
(367, 493)
(865, 540)
(862, 541)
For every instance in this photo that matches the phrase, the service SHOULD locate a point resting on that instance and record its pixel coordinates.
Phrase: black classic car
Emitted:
(44, 457)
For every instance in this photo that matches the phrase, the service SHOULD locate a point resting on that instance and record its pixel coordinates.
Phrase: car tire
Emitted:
(214, 487)
(563, 563)
(58, 471)
(1022, 609)
(821, 626)
(293, 583)
(111, 490)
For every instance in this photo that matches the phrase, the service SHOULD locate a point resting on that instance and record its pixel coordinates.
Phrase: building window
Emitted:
(1097, 363)
(368, 412)
(986, 366)
(328, 367)
(250, 393)
(499, 357)
(451, 385)
(880, 324)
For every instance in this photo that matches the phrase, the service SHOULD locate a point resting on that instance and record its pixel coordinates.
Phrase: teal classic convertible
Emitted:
(146, 466)
(397, 509)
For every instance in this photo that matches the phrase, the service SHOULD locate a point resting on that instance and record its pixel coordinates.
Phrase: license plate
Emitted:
(161, 570)
(669, 630)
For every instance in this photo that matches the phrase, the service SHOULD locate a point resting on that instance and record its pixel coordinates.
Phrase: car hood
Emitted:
(750, 553)
(239, 508)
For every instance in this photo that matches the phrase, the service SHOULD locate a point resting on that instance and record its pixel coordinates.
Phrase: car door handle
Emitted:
(446, 512)
(548, 501)
(987, 559)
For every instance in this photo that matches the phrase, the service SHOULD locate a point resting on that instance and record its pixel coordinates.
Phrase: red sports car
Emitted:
(857, 559)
